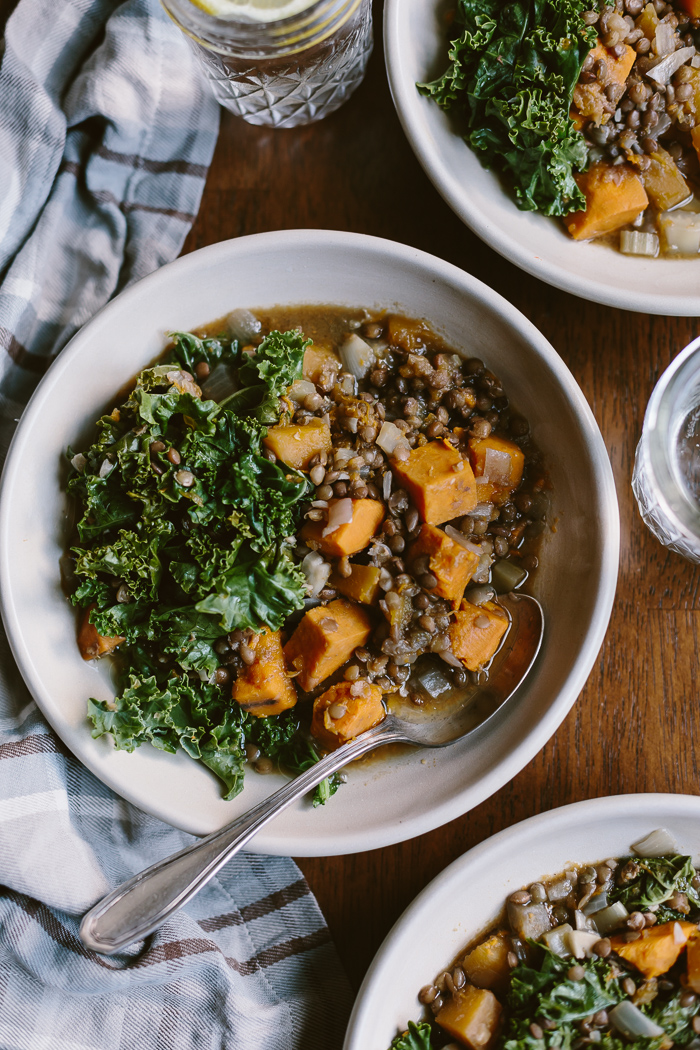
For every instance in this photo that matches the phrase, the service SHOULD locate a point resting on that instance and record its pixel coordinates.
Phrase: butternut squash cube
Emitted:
(90, 643)
(656, 949)
(500, 461)
(410, 335)
(320, 365)
(326, 637)
(451, 564)
(264, 687)
(693, 953)
(297, 445)
(367, 516)
(362, 585)
(438, 480)
(590, 100)
(473, 1016)
(486, 966)
(614, 196)
(340, 716)
(695, 133)
(663, 182)
(476, 633)
(691, 6)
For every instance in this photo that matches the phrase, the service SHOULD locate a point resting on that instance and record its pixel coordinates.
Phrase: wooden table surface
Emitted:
(635, 726)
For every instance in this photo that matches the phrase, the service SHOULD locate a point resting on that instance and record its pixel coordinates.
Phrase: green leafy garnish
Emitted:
(512, 72)
(658, 880)
(176, 549)
(416, 1038)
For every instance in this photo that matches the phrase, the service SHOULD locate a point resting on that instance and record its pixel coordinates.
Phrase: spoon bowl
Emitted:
(143, 903)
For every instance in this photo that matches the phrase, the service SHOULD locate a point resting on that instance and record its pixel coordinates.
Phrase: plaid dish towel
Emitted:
(106, 133)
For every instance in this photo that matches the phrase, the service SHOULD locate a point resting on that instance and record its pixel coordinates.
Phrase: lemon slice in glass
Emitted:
(253, 10)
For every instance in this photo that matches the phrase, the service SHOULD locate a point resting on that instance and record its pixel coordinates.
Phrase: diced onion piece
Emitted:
(483, 569)
(218, 384)
(343, 456)
(317, 571)
(598, 902)
(580, 943)
(243, 325)
(679, 936)
(670, 64)
(634, 242)
(106, 468)
(695, 62)
(390, 437)
(610, 918)
(386, 484)
(559, 890)
(79, 462)
(583, 923)
(357, 356)
(681, 232)
(657, 844)
(497, 467)
(462, 540)
(433, 680)
(556, 939)
(630, 1020)
(301, 389)
(340, 513)
(665, 39)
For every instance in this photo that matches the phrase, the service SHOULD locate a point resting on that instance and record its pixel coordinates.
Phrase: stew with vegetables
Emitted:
(590, 112)
(280, 532)
(603, 955)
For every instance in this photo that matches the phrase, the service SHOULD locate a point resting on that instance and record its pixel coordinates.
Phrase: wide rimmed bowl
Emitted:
(415, 46)
(386, 800)
(468, 896)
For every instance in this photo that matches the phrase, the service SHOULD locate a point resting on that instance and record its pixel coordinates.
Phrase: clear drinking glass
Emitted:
(286, 72)
(666, 477)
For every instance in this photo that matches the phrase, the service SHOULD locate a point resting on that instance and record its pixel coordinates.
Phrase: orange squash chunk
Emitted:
(614, 196)
(320, 364)
(450, 563)
(326, 637)
(362, 585)
(473, 1016)
(665, 186)
(478, 449)
(693, 953)
(486, 966)
(297, 445)
(656, 950)
(340, 716)
(367, 516)
(590, 102)
(92, 644)
(264, 687)
(438, 480)
(476, 633)
(410, 335)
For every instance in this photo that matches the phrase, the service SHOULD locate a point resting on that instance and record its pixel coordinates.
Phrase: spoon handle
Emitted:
(143, 903)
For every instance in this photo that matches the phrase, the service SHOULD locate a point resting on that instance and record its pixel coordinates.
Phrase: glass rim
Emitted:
(301, 30)
(657, 440)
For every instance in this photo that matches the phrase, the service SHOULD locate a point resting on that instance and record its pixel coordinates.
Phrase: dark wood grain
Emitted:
(635, 726)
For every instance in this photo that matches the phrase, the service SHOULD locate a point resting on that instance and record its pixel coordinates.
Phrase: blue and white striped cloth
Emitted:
(106, 134)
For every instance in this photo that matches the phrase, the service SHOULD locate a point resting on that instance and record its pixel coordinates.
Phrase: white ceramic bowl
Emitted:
(384, 801)
(415, 48)
(468, 896)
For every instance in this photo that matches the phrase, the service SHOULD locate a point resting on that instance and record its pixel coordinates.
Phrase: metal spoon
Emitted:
(143, 903)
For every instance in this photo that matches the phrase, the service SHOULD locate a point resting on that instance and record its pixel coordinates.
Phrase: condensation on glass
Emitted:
(287, 72)
(666, 478)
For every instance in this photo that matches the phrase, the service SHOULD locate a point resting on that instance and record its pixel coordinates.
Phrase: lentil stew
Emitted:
(280, 533)
(604, 954)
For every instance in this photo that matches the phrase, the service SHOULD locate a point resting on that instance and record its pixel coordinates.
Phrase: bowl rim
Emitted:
(409, 108)
(514, 837)
(337, 842)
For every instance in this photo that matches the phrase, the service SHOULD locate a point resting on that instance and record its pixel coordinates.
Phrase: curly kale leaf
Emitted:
(512, 71)
(675, 1019)
(189, 350)
(658, 880)
(416, 1038)
(178, 713)
(266, 375)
